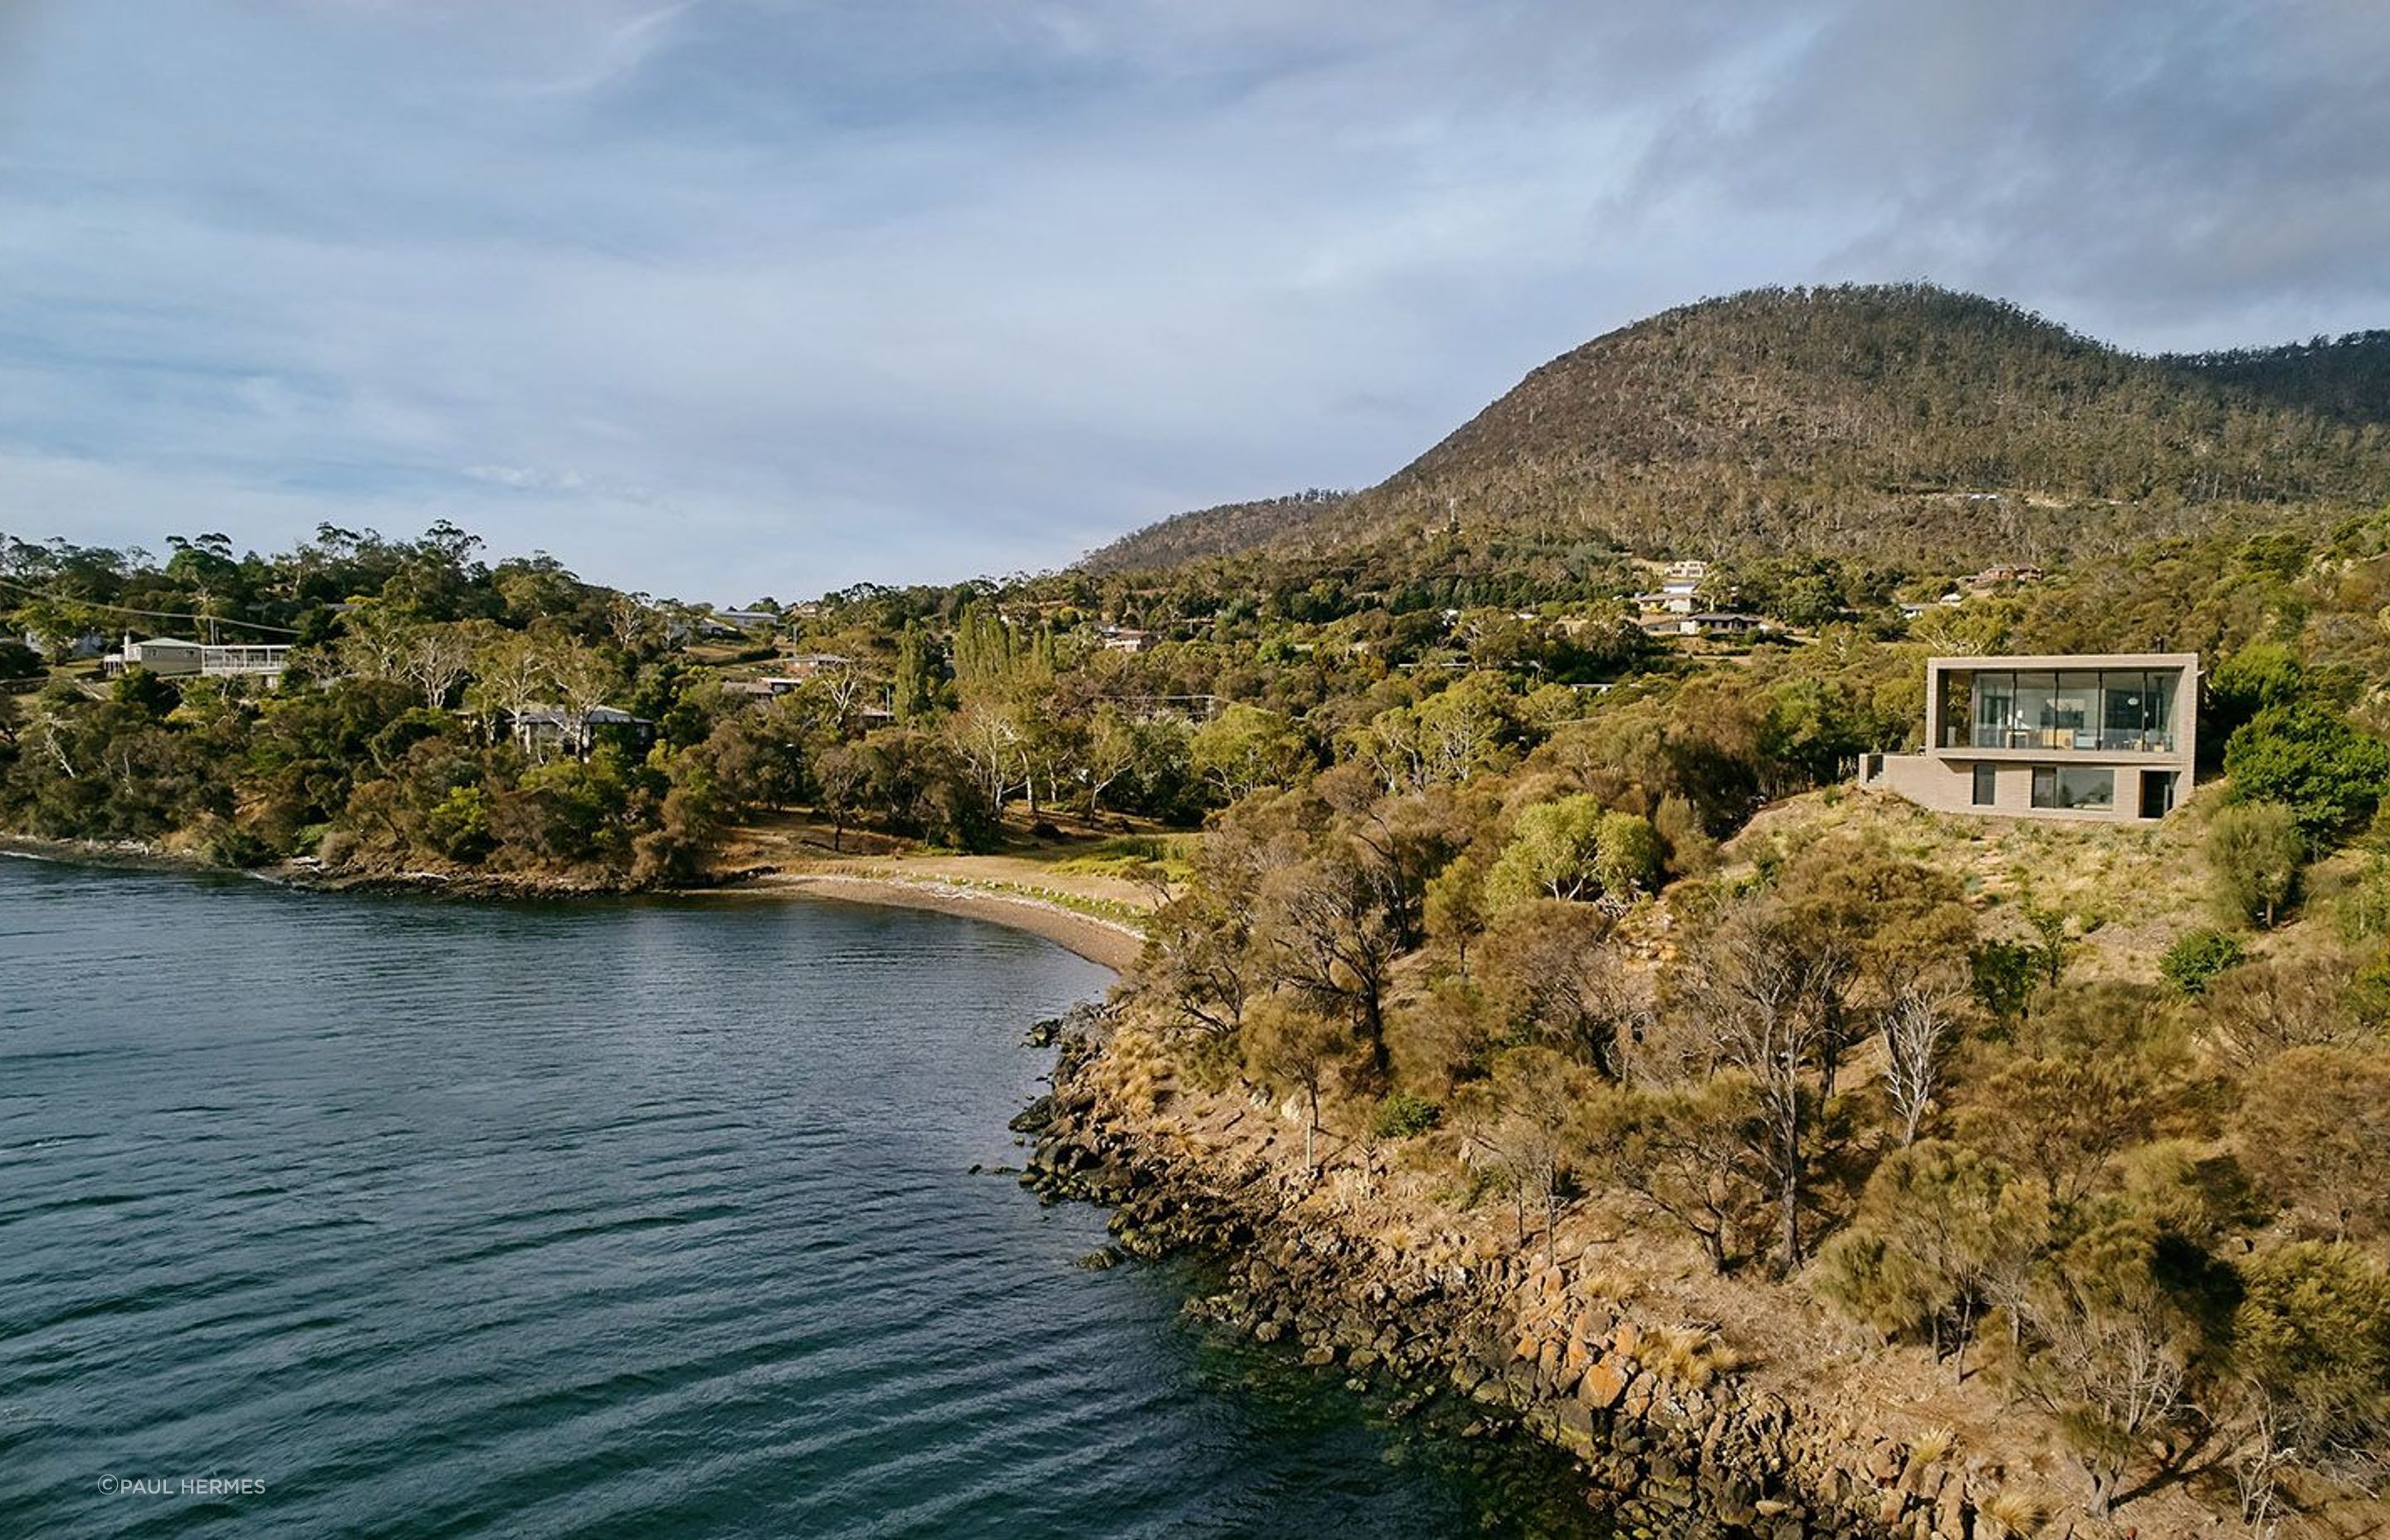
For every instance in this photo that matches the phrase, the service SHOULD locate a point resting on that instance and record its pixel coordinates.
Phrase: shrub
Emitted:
(2315, 1130)
(2254, 854)
(19, 661)
(2193, 963)
(1404, 1116)
(2327, 773)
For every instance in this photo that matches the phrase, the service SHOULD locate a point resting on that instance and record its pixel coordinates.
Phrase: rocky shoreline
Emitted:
(1669, 1443)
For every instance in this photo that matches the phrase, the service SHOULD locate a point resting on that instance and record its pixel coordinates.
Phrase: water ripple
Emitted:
(610, 1219)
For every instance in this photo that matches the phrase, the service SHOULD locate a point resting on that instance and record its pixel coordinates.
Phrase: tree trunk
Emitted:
(1310, 1128)
(2104, 1493)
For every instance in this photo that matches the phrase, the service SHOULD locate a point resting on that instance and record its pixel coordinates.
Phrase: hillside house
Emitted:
(539, 730)
(2106, 737)
(172, 657)
(1706, 623)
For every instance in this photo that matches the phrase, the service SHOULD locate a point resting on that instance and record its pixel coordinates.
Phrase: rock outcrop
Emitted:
(1671, 1441)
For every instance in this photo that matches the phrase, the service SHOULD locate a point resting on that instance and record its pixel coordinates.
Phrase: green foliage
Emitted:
(145, 692)
(2060, 1121)
(1403, 1116)
(1247, 748)
(912, 693)
(2004, 975)
(1552, 853)
(2261, 675)
(2315, 1127)
(2360, 906)
(459, 823)
(2312, 1348)
(1938, 1228)
(2194, 961)
(2329, 774)
(1573, 848)
(1628, 856)
(2255, 851)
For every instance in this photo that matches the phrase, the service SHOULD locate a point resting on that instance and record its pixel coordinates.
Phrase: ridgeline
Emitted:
(1908, 422)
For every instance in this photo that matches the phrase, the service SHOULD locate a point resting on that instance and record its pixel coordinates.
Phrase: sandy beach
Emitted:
(1110, 942)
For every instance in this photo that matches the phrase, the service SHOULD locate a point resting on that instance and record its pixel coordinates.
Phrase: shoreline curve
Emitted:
(1104, 942)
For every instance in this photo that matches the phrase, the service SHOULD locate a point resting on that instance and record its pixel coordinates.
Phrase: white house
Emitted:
(172, 657)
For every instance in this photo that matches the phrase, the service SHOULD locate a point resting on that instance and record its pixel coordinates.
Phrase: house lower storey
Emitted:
(2083, 787)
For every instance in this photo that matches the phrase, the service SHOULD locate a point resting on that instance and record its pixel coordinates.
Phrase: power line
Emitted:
(146, 614)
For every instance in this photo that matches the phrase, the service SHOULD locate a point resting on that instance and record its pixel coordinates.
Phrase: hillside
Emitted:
(1924, 426)
(1213, 531)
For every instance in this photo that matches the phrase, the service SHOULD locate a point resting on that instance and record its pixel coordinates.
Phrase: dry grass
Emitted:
(1933, 1445)
(2011, 1514)
(2127, 890)
(1686, 1356)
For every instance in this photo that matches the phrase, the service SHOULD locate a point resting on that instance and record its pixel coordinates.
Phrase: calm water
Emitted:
(634, 1219)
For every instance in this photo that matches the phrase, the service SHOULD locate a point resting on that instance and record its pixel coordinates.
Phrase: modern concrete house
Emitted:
(2105, 736)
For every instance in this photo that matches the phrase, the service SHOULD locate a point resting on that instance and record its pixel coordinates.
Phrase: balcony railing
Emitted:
(2132, 740)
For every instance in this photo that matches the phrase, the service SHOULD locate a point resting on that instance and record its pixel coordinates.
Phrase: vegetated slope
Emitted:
(1907, 421)
(1221, 531)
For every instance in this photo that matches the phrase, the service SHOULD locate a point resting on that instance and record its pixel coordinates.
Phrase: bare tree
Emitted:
(1917, 1028)
(510, 674)
(437, 659)
(1755, 987)
(583, 678)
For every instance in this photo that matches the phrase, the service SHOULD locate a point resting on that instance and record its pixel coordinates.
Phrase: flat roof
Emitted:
(2060, 660)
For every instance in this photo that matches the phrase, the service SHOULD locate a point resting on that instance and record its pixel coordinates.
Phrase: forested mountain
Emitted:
(1908, 422)
(1222, 531)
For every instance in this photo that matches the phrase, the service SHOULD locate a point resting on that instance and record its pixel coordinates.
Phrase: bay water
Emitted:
(342, 1215)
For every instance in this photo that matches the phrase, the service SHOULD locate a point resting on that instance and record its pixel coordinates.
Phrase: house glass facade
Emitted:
(2064, 710)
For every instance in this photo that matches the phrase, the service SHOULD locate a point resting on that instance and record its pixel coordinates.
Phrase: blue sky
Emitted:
(735, 297)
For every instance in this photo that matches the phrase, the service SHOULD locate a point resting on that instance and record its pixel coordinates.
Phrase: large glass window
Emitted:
(2089, 786)
(1995, 711)
(2129, 710)
(2036, 712)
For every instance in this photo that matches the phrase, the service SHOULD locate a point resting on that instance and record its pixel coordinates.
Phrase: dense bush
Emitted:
(2193, 963)
(1404, 1116)
(2330, 776)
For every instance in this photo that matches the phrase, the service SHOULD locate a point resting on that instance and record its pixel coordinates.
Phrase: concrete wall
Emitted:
(1949, 785)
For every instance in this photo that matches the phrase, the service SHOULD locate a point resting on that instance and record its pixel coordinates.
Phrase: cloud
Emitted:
(619, 54)
(766, 292)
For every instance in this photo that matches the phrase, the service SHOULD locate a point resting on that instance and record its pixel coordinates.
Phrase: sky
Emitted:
(724, 298)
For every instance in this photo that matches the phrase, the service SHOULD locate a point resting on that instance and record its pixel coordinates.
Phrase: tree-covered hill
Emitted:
(1915, 423)
(1214, 532)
